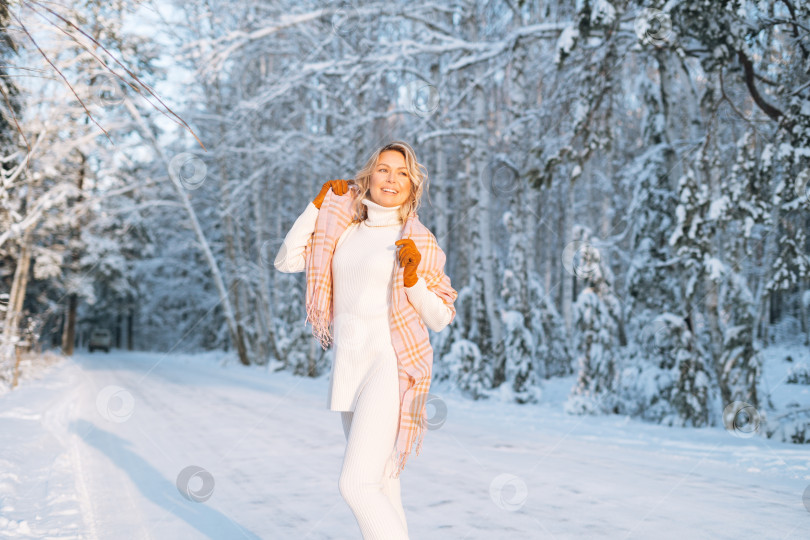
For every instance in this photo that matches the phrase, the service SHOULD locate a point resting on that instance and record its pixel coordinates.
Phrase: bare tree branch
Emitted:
(766, 107)
(85, 34)
(45, 56)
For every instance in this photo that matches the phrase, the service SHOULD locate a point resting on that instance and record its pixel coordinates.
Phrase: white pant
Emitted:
(370, 431)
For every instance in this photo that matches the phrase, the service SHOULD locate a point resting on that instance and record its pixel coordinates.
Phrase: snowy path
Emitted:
(274, 452)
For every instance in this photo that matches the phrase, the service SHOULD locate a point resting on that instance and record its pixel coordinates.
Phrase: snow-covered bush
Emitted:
(792, 426)
(798, 374)
(665, 380)
(473, 376)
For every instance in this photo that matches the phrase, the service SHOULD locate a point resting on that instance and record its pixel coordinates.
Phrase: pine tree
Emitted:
(792, 196)
(742, 217)
(553, 343)
(691, 240)
(464, 365)
(523, 368)
(597, 319)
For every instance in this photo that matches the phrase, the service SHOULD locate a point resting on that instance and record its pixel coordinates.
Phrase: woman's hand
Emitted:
(409, 257)
(340, 187)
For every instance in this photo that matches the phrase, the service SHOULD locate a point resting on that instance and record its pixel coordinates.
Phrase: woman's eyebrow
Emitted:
(387, 165)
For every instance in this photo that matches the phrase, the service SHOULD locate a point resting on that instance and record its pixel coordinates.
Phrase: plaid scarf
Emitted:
(409, 334)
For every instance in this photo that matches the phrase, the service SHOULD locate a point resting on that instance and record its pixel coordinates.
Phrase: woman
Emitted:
(377, 274)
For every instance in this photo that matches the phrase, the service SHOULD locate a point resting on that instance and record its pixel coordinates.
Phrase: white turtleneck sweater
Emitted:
(362, 276)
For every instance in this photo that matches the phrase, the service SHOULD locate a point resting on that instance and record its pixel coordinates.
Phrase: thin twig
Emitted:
(146, 87)
(61, 75)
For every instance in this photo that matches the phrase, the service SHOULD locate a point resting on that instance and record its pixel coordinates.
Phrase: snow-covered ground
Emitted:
(95, 446)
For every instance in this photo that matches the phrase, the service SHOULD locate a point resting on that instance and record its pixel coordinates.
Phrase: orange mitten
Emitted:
(340, 187)
(409, 257)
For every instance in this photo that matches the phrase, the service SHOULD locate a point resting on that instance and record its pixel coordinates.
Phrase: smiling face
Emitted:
(390, 183)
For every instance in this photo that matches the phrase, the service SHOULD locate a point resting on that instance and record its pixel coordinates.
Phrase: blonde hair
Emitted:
(417, 174)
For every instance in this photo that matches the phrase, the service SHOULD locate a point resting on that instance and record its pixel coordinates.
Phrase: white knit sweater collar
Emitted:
(379, 215)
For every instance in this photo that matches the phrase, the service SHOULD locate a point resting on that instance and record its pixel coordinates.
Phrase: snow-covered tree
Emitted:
(652, 207)
(523, 366)
(597, 320)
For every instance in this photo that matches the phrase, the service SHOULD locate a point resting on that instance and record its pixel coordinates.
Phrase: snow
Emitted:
(767, 156)
(718, 207)
(785, 151)
(715, 268)
(603, 12)
(748, 226)
(580, 111)
(799, 153)
(680, 215)
(565, 43)
(94, 446)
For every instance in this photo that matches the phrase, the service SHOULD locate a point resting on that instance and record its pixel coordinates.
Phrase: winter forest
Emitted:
(621, 188)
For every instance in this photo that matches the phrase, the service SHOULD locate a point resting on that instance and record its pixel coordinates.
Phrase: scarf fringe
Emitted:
(402, 457)
(320, 325)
